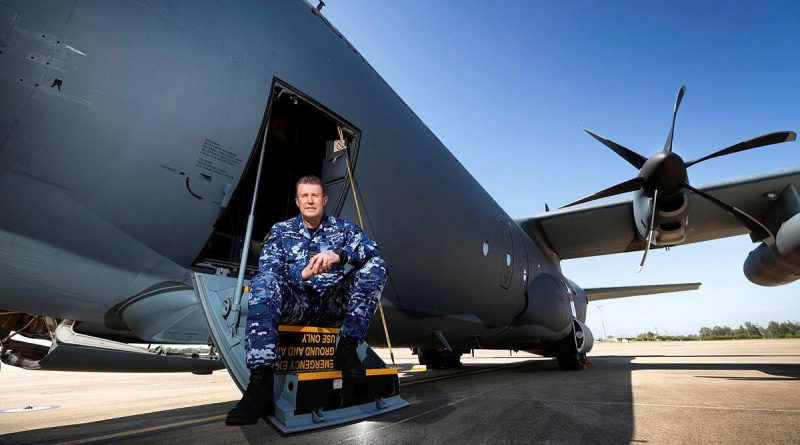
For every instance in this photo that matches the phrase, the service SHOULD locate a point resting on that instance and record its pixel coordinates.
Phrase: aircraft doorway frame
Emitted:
(221, 296)
(308, 126)
(352, 134)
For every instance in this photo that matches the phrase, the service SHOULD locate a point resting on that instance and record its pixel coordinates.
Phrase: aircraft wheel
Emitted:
(436, 359)
(452, 361)
(430, 358)
(568, 357)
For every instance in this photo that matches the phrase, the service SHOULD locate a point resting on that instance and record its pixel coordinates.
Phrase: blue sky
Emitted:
(508, 85)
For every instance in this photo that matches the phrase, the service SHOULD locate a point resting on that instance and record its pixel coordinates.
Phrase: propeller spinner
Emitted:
(664, 175)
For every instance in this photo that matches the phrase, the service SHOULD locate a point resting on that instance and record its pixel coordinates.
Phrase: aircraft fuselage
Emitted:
(124, 126)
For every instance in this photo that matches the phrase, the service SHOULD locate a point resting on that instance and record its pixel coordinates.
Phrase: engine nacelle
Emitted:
(671, 219)
(779, 264)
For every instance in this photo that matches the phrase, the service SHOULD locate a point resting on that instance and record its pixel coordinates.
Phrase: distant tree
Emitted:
(646, 336)
(773, 329)
(752, 329)
(722, 331)
(787, 328)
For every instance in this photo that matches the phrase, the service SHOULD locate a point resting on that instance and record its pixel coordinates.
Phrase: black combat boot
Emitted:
(346, 358)
(257, 401)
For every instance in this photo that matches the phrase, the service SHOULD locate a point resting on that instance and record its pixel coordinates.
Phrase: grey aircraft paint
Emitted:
(127, 127)
(103, 172)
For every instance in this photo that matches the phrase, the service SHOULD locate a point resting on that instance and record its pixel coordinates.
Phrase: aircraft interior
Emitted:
(300, 134)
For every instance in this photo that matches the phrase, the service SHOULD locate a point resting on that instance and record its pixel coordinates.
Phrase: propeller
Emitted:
(681, 92)
(754, 225)
(665, 173)
(650, 232)
(630, 185)
(762, 141)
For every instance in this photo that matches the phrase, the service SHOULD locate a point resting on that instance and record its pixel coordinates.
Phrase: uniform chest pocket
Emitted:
(295, 247)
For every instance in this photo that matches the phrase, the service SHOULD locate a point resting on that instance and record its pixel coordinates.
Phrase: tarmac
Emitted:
(668, 392)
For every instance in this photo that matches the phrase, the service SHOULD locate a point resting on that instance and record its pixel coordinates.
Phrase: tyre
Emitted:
(568, 357)
(436, 359)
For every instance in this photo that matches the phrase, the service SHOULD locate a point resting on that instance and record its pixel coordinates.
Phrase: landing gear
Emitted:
(569, 359)
(436, 359)
(571, 350)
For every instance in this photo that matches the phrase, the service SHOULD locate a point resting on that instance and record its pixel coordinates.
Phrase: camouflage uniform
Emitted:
(346, 296)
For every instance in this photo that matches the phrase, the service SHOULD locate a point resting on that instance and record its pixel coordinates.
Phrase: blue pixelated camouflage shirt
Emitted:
(290, 245)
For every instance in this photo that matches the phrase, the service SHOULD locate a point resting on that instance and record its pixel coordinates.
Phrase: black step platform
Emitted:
(310, 394)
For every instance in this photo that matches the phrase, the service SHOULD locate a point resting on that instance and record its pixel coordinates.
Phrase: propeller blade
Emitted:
(630, 185)
(633, 158)
(768, 139)
(754, 225)
(681, 92)
(650, 231)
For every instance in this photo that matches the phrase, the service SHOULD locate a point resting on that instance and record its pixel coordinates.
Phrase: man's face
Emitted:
(310, 201)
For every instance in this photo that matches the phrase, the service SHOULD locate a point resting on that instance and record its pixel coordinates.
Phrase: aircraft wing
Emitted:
(606, 293)
(601, 229)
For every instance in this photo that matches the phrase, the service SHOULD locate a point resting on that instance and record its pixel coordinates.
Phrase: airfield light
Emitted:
(603, 323)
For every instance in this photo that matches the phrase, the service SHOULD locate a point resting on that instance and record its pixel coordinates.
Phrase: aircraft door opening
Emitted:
(301, 138)
(299, 135)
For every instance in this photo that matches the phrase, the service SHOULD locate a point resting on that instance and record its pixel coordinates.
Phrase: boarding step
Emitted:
(310, 394)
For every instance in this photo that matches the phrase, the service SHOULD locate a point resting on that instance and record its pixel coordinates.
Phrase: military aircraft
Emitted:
(147, 147)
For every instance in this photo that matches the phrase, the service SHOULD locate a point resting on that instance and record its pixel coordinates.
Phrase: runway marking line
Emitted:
(664, 405)
(143, 430)
(222, 416)
(477, 371)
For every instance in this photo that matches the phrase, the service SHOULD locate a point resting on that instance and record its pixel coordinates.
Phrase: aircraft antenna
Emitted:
(361, 224)
(650, 231)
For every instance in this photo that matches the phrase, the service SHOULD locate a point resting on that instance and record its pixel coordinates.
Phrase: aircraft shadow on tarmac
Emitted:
(534, 402)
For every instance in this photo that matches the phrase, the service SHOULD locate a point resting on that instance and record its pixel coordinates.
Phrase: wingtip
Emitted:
(593, 134)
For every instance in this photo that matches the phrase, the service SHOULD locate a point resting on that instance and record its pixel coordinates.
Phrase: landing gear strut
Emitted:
(436, 359)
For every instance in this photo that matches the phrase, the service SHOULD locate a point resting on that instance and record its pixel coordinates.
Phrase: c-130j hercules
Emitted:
(131, 137)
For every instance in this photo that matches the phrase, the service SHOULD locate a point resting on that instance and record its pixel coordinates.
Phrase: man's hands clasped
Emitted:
(320, 263)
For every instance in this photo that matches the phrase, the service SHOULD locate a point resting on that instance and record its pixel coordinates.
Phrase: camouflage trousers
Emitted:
(272, 301)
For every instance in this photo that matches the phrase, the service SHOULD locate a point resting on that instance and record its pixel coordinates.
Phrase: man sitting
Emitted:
(314, 269)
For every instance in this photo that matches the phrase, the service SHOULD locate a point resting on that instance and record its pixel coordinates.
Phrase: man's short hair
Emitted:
(310, 179)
